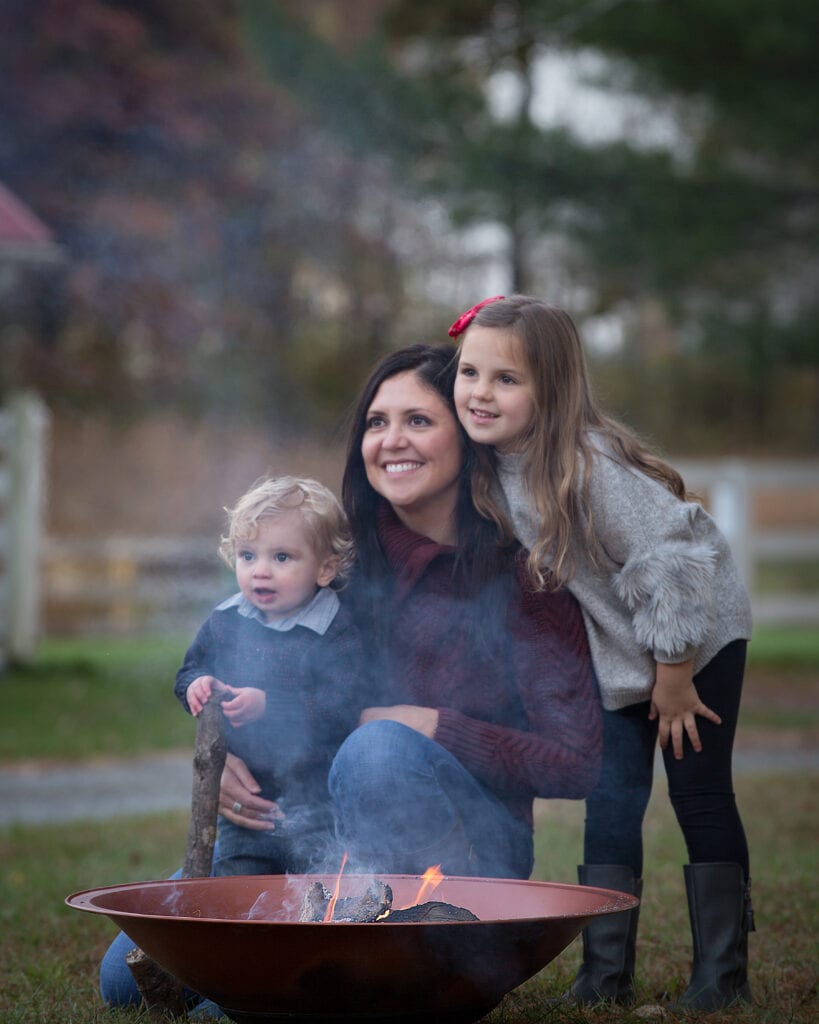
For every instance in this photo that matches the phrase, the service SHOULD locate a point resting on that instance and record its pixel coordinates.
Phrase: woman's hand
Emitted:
(239, 801)
(675, 701)
(423, 720)
(243, 704)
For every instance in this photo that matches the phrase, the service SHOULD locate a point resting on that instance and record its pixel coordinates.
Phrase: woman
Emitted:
(487, 697)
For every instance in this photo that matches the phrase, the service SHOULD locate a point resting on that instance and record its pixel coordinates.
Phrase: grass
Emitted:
(83, 698)
(50, 953)
(93, 697)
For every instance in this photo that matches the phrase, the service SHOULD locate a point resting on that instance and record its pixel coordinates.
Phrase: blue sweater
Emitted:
(315, 688)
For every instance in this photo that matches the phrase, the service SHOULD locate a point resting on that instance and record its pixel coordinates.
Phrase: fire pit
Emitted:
(239, 941)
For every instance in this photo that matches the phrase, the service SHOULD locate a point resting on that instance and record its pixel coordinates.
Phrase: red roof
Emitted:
(18, 223)
(23, 236)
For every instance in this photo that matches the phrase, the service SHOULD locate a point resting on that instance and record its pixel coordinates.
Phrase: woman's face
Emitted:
(412, 453)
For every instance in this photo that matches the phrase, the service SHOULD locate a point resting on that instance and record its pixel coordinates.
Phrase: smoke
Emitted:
(170, 902)
(266, 908)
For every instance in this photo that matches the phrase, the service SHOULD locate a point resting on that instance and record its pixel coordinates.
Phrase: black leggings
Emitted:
(700, 786)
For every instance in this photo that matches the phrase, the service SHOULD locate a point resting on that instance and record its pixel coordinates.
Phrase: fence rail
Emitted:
(131, 584)
(126, 584)
(732, 488)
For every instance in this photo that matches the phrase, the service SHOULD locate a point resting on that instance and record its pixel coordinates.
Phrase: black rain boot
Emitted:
(719, 906)
(609, 942)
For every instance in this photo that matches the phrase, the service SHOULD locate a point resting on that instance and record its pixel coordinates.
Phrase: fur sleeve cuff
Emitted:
(668, 592)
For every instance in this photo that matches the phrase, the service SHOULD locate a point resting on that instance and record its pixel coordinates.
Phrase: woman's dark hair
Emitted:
(481, 555)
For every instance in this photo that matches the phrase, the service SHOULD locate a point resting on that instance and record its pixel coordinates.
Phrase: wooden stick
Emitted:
(162, 992)
(209, 754)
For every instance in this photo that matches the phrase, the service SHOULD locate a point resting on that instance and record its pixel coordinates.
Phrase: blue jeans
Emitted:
(242, 851)
(700, 786)
(117, 985)
(402, 803)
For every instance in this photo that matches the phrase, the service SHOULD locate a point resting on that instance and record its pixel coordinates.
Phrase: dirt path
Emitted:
(39, 794)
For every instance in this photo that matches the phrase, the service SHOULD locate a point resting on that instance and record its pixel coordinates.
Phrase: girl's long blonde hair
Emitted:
(560, 443)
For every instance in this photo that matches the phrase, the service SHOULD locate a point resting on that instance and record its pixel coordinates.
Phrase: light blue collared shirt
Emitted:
(317, 614)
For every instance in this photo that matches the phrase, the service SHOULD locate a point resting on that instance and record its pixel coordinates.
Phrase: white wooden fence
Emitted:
(731, 487)
(121, 584)
(23, 442)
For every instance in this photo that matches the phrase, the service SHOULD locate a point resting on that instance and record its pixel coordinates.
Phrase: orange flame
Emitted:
(331, 906)
(430, 880)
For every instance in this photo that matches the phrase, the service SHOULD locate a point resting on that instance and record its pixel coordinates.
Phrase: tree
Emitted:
(743, 210)
(718, 231)
(202, 211)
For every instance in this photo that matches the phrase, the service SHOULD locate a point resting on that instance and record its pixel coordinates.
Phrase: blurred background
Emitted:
(215, 216)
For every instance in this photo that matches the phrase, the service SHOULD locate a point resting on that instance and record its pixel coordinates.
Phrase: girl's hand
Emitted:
(239, 789)
(199, 691)
(675, 701)
(243, 704)
(423, 720)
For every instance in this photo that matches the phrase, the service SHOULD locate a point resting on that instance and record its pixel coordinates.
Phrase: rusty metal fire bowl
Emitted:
(237, 941)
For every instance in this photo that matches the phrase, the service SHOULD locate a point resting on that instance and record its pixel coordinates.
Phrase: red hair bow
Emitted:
(465, 319)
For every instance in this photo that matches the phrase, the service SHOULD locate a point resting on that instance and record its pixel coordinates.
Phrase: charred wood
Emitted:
(432, 911)
(375, 901)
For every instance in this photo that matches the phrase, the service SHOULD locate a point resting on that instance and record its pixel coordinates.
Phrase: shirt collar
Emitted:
(316, 615)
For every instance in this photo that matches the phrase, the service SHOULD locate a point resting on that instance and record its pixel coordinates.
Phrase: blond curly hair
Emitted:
(324, 518)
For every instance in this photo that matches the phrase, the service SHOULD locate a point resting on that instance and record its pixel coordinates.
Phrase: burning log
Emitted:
(369, 906)
(161, 991)
(375, 905)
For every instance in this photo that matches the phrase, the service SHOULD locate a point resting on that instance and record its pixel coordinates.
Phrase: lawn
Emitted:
(50, 953)
(83, 698)
(97, 697)
(94, 697)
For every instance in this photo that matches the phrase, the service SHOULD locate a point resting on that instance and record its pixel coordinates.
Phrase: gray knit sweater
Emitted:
(665, 589)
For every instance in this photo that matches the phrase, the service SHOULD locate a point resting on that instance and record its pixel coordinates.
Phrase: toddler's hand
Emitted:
(245, 704)
(199, 691)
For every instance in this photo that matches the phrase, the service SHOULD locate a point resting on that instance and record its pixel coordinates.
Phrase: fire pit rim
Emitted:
(83, 900)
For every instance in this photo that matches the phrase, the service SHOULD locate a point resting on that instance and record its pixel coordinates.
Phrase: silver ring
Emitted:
(237, 807)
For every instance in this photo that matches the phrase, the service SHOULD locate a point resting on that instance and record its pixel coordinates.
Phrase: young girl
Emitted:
(667, 617)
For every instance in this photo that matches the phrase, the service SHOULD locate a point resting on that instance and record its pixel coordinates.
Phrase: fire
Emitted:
(430, 880)
(331, 906)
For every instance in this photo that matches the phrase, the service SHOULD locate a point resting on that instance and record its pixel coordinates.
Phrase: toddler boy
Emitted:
(287, 657)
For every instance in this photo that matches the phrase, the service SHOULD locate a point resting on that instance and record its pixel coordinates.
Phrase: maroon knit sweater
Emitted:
(518, 703)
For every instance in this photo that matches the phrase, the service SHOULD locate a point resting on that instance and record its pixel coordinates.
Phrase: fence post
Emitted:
(730, 506)
(25, 517)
